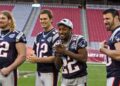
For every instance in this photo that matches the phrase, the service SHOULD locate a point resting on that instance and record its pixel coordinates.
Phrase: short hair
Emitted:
(114, 12)
(8, 14)
(48, 12)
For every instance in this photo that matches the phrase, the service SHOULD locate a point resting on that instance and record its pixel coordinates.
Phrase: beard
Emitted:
(4, 26)
(109, 26)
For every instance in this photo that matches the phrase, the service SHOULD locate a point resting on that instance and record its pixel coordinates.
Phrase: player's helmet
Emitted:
(66, 22)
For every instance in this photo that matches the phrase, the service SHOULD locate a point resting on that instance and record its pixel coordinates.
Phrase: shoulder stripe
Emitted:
(19, 36)
(55, 37)
(112, 36)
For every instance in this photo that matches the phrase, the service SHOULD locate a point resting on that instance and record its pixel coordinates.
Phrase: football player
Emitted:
(111, 47)
(12, 49)
(44, 51)
(73, 55)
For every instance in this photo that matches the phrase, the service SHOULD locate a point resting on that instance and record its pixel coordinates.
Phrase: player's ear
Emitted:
(51, 20)
(9, 21)
(117, 17)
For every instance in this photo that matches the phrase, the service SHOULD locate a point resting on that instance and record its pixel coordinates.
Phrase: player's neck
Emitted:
(48, 28)
(116, 26)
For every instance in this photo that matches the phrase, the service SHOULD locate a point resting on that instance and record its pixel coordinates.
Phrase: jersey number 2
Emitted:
(4, 46)
(70, 66)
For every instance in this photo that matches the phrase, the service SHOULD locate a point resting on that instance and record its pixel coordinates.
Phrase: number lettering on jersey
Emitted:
(4, 46)
(108, 60)
(69, 66)
(43, 47)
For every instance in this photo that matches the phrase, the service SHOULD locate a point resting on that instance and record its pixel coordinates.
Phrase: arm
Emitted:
(58, 61)
(21, 49)
(114, 54)
(35, 59)
(80, 56)
(49, 59)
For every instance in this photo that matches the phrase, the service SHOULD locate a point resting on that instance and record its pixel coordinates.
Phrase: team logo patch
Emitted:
(42, 40)
(73, 45)
(83, 43)
(49, 39)
(12, 35)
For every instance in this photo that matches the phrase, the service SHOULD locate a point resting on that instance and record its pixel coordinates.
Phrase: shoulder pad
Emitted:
(77, 37)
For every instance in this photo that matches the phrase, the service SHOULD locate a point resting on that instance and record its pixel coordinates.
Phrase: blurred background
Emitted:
(86, 16)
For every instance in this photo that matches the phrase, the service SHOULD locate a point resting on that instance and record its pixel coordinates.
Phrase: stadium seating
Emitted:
(97, 33)
(6, 7)
(96, 28)
(59, 13)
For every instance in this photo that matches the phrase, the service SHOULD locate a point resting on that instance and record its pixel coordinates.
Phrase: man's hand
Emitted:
(32, 58)
(103, 44)
(60, 49)
(5, 71)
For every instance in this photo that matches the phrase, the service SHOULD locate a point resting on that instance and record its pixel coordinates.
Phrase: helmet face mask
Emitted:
(66, 22)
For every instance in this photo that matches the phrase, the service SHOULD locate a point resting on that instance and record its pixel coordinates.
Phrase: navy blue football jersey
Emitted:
(113, 66)
(43, 47)
(8, 42)
(72, 68)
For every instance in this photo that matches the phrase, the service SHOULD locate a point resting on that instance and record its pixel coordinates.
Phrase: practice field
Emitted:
(96, 75)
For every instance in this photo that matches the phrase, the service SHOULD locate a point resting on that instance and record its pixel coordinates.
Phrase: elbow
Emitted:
(84, 60)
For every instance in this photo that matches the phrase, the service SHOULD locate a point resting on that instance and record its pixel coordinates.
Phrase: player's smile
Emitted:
(107, 25)
(43, 24)
(62, 36)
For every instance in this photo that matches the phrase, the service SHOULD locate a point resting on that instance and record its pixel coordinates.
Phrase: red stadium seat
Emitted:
(59, 13)
(96, 28)
(6, 7)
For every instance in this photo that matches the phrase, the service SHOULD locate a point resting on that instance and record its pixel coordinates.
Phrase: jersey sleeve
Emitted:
(56, 40)
(116, 38)
(82, 43)
(21, 38)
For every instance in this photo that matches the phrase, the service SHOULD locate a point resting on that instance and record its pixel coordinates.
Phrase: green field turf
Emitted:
(96, 75)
